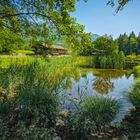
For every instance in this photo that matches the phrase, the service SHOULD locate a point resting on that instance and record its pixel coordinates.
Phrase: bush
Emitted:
(112, 61)
(137, 70)
(94, 114)
(28, 106)
(135, 94)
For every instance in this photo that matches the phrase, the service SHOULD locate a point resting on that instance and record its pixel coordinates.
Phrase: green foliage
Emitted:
(135, 91)
(27, 52)
(84, 61)
(123, 42)
(93, 114)
(6, 62)
(112, 61)
(131, 57)
(29, 101)
(135, 95)
(137, 71)
(87, 46)
(106, 45)
(129, 44)
(120, 4)
(9, 41)
(44, 21)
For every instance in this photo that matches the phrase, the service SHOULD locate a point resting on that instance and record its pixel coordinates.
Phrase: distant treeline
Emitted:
(129, 44)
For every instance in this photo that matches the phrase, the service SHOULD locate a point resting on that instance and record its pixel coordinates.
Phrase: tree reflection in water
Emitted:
(103, 86)
(102, 83)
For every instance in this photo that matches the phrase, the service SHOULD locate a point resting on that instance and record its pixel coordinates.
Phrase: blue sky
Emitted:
(99, 18)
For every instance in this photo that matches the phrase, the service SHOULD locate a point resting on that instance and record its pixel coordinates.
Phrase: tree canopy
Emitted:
(46, 20)
(129, 44)
(120, 4)
(39, 17)
(106, 44)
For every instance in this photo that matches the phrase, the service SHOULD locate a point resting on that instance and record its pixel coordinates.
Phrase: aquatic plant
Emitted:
(94, 114)
(134, 94)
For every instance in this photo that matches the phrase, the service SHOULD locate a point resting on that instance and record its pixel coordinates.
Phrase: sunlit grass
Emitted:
(137, 71)
(27, 52)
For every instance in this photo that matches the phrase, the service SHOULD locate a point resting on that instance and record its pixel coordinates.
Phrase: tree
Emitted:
(86, 44)
(43, 20)
(121, 59)
(41, 17)
(138, 44)
(132, 43)
(120, 4)
(34, 17)
(129, 44)
(106, 45)
(9, 41)
(122, 43)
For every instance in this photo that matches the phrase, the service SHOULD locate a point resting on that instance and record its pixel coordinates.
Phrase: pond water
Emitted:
(99, 82)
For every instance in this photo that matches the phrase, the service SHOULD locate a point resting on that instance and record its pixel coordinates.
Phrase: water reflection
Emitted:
(101, 81)
(90, 82)
(103, 86)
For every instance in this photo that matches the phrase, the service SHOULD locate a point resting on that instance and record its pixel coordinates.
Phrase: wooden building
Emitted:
(50, 50)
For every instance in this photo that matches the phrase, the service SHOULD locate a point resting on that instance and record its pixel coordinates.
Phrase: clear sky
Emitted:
(99, 18)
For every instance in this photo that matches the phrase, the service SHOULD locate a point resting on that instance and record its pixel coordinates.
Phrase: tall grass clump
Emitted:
(5, 62)
(137, 71)
(28, 102)
(85, 61)
(135, 94)
(93, 114)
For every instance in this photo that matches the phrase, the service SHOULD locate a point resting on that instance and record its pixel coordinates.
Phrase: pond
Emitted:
(99, 82)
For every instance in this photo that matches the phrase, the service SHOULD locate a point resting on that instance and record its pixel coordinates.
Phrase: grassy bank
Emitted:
(30, 102)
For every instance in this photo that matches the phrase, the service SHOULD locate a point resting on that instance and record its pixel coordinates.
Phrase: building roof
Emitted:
(57, 47)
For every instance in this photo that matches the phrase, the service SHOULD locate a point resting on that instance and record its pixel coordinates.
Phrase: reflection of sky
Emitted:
(84, 87)
(121, 84)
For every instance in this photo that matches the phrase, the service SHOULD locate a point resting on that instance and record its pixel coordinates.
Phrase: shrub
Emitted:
(112, 61)
(137, 70)
(93, 114)
(135, 94)
(28, 106)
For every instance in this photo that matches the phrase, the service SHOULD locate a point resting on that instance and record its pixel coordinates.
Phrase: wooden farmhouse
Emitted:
(50, 50)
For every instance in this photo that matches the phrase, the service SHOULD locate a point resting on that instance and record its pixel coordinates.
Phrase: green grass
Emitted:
(133, 59)
(93, 114)
(27, 52)
(29, 98)
(70, 60)
(5, 62)
(135, 94)
(137, 71)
